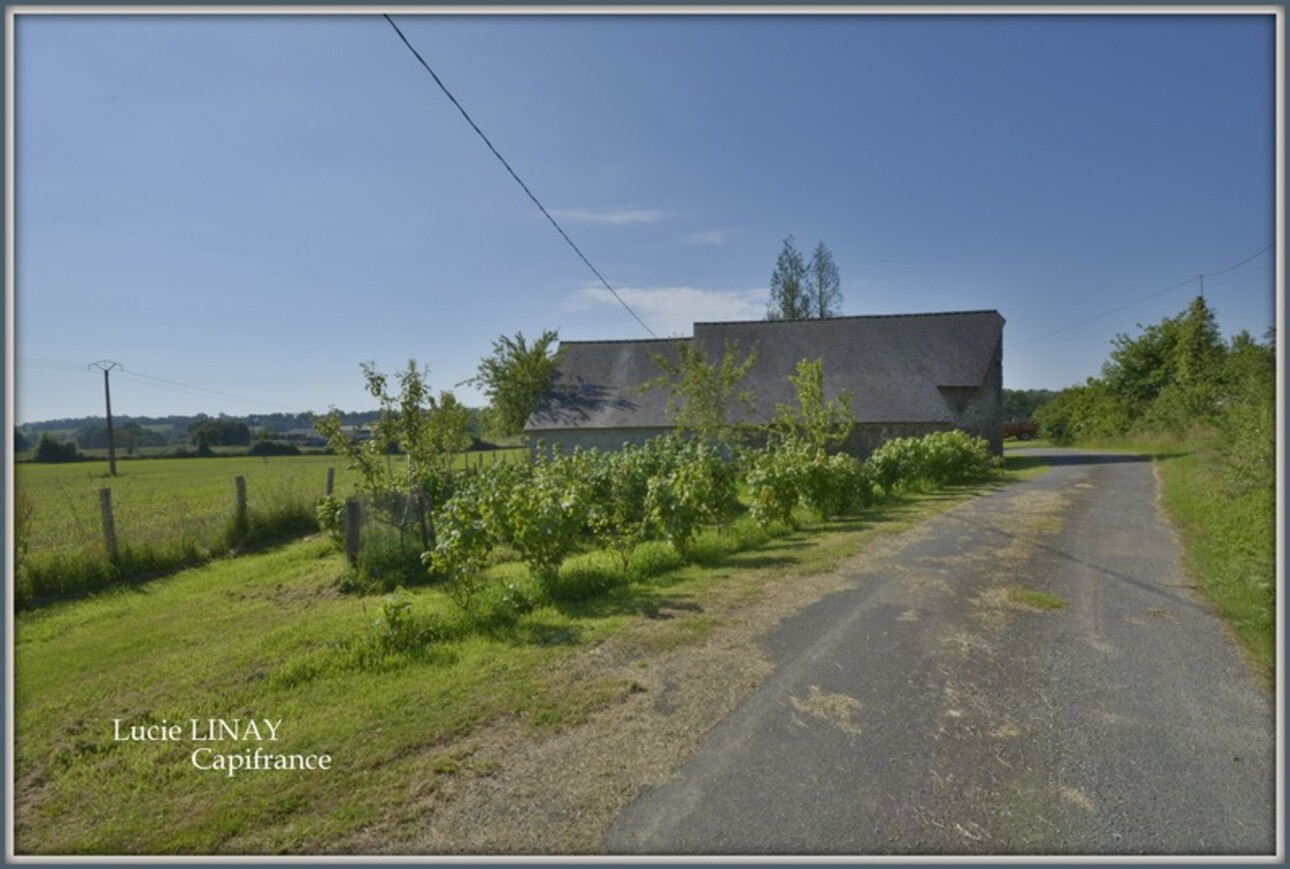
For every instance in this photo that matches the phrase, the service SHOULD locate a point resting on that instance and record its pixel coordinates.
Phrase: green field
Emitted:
(156, 500)
(167, 512)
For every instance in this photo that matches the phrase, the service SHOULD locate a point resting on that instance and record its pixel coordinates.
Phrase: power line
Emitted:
(517, 178)
(201, 389)
(50, 364)
(1241, 263)
(1169, 289)
(142, 379)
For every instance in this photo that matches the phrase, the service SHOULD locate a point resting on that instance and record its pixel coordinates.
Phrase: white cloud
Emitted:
(710, 237)
(672, 311)
(619, 217)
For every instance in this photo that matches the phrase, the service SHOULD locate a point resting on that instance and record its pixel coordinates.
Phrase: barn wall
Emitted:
(986, 408)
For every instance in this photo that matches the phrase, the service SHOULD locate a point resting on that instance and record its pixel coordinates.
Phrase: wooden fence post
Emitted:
(353, 523)
(109, 526)
(241, 521)
(331, 481)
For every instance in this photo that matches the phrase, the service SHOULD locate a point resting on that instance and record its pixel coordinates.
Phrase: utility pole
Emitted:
(107, 366)
(1202, 286)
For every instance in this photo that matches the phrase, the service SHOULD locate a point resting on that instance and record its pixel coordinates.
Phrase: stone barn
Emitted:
(908, 374)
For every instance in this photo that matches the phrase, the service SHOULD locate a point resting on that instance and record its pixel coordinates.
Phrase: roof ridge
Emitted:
(852, 317)
(630, 340)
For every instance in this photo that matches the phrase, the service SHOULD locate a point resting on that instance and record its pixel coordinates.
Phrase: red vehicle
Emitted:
(1022, 430)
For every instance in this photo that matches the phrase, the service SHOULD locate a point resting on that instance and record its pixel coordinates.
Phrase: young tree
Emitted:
(704, 395)
(406, 466)
(823, 285)
(788, 298)
(819, 423)
(1200, 347)
(514, 378)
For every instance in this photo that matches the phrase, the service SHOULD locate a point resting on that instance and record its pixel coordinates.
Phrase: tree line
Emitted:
(1173, 377)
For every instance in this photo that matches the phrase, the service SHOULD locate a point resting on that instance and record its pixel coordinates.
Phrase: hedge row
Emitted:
(668, 490)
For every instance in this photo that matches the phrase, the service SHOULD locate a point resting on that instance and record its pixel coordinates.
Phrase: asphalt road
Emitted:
(937, 707)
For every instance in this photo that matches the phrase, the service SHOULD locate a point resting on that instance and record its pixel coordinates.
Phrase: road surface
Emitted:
(1028, 673)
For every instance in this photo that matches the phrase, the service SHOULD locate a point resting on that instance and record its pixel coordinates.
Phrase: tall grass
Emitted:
(90, 567)
(167, 514)
(1221, 494)
(175, 513)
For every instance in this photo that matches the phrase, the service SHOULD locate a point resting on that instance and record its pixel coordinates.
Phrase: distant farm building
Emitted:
(908, 374)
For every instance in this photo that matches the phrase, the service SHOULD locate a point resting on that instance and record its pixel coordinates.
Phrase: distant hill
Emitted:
(272, 422)
(174, 429)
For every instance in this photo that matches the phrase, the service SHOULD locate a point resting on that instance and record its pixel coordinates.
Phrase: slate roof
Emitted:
(893, 365)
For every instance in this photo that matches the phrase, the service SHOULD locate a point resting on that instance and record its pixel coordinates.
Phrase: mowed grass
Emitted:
(267, 636)
(213, 642)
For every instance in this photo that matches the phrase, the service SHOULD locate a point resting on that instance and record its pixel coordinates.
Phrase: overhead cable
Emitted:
(517, 178)
(1139, 301)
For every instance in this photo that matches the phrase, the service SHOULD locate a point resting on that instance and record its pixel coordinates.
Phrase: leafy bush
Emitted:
(896, 464)
(618, 486)
(492, 488)
(774, 480)
(701, 487)
(547, 515)
(330, 514)
(937, 459)
(955, 457)
(463, 543)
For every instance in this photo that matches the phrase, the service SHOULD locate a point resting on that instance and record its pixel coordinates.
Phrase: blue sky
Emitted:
(255, 205)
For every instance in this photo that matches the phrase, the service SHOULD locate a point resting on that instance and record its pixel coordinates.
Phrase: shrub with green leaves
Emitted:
(618, 486)
(895, 464)
(492, 489)
(701, 487)
(773, 476)
(396, 631)
(955, 457)
(463, 544)
(330, 513)
(937, 459)
(548, 513)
